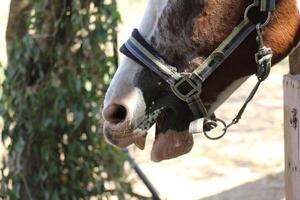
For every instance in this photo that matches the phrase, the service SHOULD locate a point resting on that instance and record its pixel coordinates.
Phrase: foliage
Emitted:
(60, 60)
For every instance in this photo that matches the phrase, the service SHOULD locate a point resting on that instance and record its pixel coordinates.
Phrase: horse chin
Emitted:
(170, 144)
(172, 139)
(167, 144)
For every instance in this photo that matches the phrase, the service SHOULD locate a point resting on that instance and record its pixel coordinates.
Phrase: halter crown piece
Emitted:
(188, 86)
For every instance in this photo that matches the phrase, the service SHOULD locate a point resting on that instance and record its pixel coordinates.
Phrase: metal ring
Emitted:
(247, 10)
(261, 24)
(224, 130)
(267, 20)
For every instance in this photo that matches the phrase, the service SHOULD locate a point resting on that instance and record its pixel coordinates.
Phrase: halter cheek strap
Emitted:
(140, 51)
(266, 5)
(188, 86)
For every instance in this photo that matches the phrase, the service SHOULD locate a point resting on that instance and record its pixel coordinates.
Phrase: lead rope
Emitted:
(263, 59)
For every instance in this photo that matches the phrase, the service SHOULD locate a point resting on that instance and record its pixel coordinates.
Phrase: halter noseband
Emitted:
(188, 86)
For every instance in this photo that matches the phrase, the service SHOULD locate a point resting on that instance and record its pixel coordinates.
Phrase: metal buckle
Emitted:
(185, 88)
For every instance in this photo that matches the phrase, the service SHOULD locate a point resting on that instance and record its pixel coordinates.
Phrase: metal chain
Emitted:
(263, 59)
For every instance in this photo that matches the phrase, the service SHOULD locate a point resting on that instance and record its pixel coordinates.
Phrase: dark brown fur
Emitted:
(188, 31)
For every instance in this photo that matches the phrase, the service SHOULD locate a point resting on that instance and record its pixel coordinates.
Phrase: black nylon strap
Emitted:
(238, 35)
(197, 107)
(135, 33)
(139, 50)
(266, 5)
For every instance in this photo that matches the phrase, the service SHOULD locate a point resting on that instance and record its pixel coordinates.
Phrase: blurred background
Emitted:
(51, 129)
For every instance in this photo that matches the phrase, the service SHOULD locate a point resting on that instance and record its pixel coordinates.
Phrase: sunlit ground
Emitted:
(4, 9)
(247, 164)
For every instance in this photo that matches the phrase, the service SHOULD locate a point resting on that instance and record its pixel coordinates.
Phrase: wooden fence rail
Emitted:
(291, 85)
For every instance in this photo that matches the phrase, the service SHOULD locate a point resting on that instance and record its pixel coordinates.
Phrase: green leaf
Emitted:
(44, 80)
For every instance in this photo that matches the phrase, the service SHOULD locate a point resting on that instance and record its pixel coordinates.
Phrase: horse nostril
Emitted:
(115, 114)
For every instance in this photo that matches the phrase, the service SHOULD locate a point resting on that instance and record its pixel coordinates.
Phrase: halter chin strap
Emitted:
(188, 86)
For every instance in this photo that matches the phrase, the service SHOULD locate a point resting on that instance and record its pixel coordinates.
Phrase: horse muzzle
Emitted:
(122, 128)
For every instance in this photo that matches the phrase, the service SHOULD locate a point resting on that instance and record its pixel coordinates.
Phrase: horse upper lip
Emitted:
(135, 134)
(122, 132)
(124, 138)
(126, 133)
(124, 125)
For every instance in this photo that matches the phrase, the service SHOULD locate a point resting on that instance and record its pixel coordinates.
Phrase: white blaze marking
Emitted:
(151, 17)
(122, 90)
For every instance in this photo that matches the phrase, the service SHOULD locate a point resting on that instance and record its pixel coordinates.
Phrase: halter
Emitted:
(188, 86)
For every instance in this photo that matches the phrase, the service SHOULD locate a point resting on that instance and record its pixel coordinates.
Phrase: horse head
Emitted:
(185, 33)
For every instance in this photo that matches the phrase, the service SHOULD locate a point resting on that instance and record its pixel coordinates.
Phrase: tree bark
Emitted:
(16, 26)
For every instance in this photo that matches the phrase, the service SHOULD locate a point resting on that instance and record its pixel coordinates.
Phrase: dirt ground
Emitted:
(247, 163)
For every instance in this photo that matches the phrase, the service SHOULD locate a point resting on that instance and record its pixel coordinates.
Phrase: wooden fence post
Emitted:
(291, 85)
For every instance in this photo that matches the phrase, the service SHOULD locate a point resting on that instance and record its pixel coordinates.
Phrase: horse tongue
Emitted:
(171, 145)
